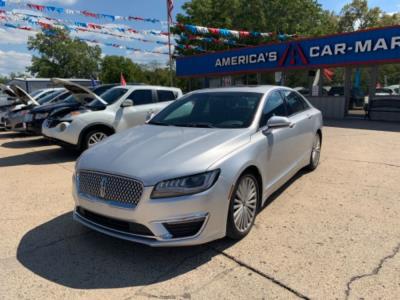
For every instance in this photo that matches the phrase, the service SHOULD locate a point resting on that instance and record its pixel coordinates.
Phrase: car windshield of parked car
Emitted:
(49, 97)
(211, 110)
(110, 96)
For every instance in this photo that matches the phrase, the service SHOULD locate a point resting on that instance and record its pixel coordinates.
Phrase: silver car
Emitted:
(200, 169)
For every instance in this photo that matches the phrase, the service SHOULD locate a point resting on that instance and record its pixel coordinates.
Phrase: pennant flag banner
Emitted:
(50, 32)
(200, 30)
(115, 31)
(61, 10)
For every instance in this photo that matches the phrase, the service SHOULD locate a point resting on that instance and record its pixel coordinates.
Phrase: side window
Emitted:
(141, 97)
(295, 102)
(275, 106)
(164, 95)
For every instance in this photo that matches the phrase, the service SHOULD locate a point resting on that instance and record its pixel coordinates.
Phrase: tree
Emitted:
(357, 15)
(62, 56)
(112, 66)
(302, 17)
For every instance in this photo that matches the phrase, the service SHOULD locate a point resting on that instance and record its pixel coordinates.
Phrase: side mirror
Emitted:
(276, 122)
(127, 103)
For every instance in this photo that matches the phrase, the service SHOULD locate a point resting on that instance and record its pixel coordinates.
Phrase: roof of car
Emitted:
(256, 89)
(143, 86)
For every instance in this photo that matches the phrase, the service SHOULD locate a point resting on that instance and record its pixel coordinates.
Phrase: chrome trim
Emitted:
(111, 203)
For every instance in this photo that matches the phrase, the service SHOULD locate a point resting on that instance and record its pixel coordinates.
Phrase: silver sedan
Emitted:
(200, 169)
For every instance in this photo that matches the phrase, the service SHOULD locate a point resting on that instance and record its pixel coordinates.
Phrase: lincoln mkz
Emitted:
(200, 169)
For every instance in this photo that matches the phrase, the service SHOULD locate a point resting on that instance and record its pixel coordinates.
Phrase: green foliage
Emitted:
(61, 56)
(112, 67)
(357, 15)
(302, 17)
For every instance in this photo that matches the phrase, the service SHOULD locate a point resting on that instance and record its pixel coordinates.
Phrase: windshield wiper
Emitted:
(198, 125)
(158, 123)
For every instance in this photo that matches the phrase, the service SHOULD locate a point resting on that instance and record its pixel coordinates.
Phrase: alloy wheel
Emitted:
(95, 138)
(316, 151)
(245, 204)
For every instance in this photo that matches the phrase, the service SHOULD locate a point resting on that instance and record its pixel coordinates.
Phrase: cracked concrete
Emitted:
(374, 272)
(330, 234)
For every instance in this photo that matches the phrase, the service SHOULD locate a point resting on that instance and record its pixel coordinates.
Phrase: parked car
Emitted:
(100, 116)
(17, 117)
(40, 113)
(8, 102)
(384, 92)
(356, 97)
(200, 169)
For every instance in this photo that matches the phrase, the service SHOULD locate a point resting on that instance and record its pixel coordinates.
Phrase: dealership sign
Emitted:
(362, 47)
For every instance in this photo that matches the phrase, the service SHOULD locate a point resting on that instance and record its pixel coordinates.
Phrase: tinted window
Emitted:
(213, 109)
(49, 97)
(295, 103)
(111, 96)
(101, 89)
(140, 97)
(275, 106)
(45, 94)
(164, 95)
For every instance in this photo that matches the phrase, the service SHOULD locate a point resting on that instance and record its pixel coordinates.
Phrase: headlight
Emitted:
(185, 185)
(41, 116)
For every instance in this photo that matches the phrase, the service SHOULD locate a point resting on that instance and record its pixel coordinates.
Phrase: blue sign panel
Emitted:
(362, 47)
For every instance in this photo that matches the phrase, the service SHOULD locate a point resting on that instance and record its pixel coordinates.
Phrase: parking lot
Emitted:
(330, 234)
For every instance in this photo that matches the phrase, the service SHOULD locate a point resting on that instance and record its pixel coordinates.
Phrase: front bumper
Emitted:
(170, 221)
(69, 136)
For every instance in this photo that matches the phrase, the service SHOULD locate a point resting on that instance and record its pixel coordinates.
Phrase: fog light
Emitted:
(63, 126)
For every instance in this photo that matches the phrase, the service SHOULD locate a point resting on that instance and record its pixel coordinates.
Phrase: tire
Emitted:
(315, 153)
(93, 137)
(239, 202)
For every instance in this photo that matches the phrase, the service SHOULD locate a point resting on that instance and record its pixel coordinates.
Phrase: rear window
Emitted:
(164, 95)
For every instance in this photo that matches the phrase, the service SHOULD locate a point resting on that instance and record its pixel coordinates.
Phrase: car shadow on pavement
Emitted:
(20, 144)
(364, 125)
(68, 254)
(13, 135)
(43, 157)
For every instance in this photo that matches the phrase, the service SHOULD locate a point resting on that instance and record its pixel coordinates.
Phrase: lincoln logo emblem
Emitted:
(103, 184)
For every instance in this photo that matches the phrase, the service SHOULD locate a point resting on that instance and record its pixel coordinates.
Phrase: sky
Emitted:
(14, 55)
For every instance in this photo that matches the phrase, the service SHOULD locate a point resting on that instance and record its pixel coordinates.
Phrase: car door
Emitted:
(143, 105)
(300, 115)
(276, 151)
(164, 98)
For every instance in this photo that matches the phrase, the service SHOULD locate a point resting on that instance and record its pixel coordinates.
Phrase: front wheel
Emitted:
(315, 153)
(94, 137)
(243, 207)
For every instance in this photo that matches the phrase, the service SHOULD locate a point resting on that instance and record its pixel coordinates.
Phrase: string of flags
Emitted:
(114, 45)
(237, 34)
(77, 26)
(86, 13)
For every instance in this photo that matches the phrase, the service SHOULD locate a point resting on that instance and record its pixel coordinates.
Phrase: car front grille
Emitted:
(118, 190)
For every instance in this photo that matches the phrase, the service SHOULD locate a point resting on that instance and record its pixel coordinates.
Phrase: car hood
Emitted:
(154, 153)
(81, 94)
(50, 107)
(24, 96)
(7, 90)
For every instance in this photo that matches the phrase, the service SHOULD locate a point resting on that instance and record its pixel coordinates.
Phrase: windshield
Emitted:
(49, 97)
(35, 93)
(209, 110)
(110, 96)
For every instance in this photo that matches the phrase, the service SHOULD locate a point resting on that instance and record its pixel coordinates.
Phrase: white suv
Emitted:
(117, 109)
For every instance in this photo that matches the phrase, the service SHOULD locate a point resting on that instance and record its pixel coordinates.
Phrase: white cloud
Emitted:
(14, 36)
(12, 61)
